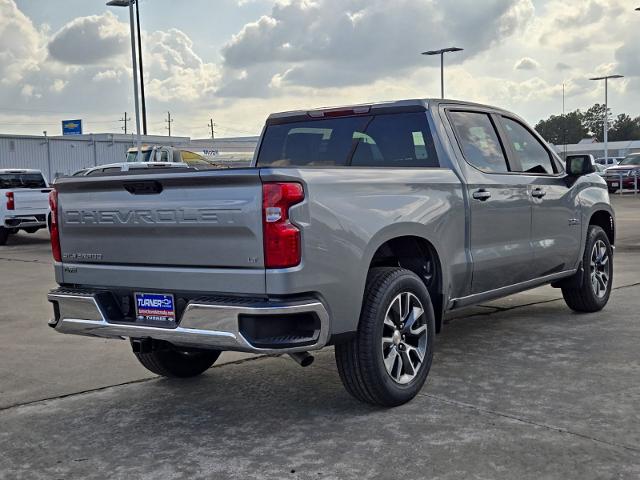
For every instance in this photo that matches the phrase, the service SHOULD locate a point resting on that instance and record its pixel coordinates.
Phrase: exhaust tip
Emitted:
(304, 359)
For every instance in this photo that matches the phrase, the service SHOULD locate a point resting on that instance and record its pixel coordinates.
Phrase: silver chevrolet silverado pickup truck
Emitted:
(357, 227)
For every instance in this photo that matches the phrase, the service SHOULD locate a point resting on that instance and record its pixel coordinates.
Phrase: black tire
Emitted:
(175, 363)
(4, 235)
(585, 298)
(31, 229)
(360, 361)
(613, 190)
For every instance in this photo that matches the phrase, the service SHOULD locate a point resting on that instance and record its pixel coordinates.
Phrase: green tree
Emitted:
(625, 128)
(593, 120)
(559, 129)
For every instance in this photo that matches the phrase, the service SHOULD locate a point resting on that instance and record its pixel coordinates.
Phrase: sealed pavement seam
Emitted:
(131, 382)
(529, 422)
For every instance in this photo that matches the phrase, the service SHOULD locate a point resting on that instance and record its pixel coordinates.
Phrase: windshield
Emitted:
(132, 157)
(386, 140)
(631, 160)
(22, 180)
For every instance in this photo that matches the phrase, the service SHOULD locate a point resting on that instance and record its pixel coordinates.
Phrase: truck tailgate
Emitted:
(26, 200)
(207, 219)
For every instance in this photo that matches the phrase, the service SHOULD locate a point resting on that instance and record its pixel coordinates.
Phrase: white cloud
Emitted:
(350, 42)
(20, 44)
(58, 85)
(526, 63)
(90, 40)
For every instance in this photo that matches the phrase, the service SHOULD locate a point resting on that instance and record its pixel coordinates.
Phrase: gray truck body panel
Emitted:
(203, 232)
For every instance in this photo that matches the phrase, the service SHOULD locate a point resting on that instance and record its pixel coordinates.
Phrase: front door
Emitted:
(500, 223)
(555, 225)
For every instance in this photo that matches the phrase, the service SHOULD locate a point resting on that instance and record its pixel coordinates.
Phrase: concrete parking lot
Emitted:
(520, 388)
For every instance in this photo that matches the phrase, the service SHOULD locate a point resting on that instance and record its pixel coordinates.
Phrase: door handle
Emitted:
(538, 193)
(481, 195)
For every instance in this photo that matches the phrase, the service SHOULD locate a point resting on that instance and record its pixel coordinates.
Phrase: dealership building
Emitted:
(63, 155)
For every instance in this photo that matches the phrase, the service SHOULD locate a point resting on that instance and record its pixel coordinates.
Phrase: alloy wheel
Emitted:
(600, 269)
(404, 337)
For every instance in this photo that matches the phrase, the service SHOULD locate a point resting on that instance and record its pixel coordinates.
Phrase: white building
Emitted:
(63, 155)
(616, 149)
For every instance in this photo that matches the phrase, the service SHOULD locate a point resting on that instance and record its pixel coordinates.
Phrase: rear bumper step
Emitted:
(25, 221)
(206, 323)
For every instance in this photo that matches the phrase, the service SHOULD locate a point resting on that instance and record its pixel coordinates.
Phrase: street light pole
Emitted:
(129, 3)
(606, 112)
(142, 95)
(441, 52)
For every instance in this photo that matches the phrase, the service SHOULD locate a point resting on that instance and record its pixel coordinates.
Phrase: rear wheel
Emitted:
(4, 235)
(31, 229)
(597, 274)
(389, 359)
(174, 362)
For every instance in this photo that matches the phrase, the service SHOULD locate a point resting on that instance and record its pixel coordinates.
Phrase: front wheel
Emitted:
(171, 361)
(389, 359)
(597, 275)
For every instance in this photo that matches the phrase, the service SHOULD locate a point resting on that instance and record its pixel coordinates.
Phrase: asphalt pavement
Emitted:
(520, 388)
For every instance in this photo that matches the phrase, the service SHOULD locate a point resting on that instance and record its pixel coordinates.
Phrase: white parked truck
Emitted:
(24, 202)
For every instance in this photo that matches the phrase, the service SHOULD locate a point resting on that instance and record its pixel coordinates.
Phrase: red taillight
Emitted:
(11, 204)
(54, 232)
(281, 238)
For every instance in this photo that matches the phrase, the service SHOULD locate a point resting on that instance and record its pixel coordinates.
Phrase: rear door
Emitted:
(555, 225)
(499, 200)
(187, 219)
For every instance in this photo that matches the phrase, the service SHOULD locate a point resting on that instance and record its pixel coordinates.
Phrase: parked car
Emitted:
(357, 226)
(24, 205)
(625, 173)
(609, 162)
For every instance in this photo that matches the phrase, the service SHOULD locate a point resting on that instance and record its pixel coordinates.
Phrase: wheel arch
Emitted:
(418, 254)
(605, 220)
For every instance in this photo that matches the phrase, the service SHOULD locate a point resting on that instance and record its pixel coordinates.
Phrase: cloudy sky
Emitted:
(238, 60)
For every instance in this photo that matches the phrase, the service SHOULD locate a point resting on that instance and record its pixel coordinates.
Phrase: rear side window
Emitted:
(533, 157)
(479, 141)
(390, 140)
(22, 180)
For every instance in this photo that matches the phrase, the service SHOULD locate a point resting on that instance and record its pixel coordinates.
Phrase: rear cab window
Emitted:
(22, 180)
(383, 140)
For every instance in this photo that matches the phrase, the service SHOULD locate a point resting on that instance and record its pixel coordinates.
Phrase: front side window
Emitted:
(531, 154)
(386, 140)
(479, 141)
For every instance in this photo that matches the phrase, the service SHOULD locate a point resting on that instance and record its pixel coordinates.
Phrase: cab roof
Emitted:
(397, 106)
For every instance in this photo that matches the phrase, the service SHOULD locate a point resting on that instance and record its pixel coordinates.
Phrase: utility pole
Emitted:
(125, 120)
(211, 124)
(169, 121)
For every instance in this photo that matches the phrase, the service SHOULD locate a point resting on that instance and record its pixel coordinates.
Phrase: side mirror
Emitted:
(578, 165)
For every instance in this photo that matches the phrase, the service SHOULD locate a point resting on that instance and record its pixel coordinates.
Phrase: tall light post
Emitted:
(129, 3)
(142, 96)
(441, 52)
(606, 111)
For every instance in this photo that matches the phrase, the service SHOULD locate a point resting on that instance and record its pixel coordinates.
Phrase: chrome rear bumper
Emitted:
(205, 323)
